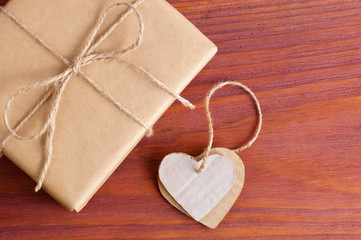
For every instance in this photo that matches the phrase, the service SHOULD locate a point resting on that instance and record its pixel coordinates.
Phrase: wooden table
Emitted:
(303, 175)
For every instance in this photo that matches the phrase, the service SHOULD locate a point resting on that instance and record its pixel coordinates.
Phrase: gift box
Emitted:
(92, 136)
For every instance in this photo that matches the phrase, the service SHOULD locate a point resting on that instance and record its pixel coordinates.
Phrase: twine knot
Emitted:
(57, 84)
(75, 68)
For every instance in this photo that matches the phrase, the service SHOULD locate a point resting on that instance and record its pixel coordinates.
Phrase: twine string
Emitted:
(57, 84)
(210, 121)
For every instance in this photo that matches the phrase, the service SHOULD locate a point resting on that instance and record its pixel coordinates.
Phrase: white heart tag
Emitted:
(197, 193)
(206, 187)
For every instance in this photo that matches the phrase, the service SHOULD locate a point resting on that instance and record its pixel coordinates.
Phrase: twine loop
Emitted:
(210, 121)
(57, 84)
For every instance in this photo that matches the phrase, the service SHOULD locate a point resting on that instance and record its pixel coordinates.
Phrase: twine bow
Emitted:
(57, 84)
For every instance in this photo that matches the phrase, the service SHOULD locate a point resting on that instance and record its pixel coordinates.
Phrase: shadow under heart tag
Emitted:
(206, 187)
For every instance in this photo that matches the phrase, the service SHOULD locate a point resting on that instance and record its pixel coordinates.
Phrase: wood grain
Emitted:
(302, 58)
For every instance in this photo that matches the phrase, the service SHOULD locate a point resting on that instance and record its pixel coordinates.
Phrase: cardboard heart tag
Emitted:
(197, 193)
(206, 197)
(205, 188)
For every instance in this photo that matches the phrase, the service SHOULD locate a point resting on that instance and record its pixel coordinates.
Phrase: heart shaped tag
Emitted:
(206, 197)
(206, 190)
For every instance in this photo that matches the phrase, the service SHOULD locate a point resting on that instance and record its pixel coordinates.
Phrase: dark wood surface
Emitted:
(303, 176)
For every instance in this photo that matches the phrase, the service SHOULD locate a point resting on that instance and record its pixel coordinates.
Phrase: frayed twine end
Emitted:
(38, 187)
(188, 104)
(149, 132)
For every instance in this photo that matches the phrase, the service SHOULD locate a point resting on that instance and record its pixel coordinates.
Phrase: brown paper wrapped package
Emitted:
(92, 137)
